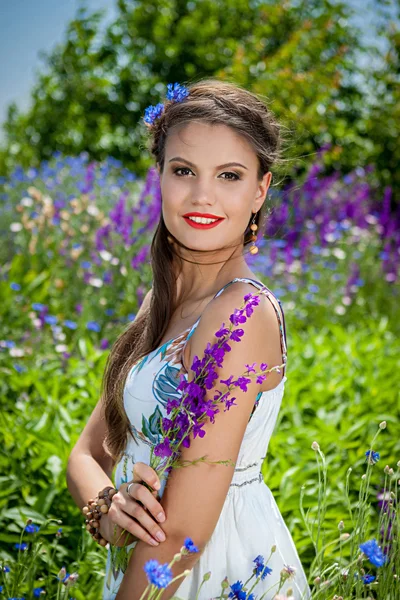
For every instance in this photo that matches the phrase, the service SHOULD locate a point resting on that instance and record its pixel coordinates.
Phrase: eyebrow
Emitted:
(230, 164)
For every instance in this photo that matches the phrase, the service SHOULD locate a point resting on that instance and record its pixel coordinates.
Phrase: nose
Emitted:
(202, 194)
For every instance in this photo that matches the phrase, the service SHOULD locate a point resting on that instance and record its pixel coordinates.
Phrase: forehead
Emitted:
(209, 143)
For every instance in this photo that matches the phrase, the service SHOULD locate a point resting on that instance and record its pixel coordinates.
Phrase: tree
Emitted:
(299, 54)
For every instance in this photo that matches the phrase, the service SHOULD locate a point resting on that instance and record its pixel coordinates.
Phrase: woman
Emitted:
(214, 145)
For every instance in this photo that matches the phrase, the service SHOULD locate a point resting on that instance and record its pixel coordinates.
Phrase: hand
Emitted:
(137, 512)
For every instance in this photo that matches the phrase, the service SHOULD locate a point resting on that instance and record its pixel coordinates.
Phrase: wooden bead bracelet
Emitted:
(95, 509)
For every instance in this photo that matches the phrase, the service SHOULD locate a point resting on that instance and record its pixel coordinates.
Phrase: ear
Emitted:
(262, 191)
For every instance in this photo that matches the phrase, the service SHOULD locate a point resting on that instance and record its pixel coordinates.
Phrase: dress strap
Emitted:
(275, 303)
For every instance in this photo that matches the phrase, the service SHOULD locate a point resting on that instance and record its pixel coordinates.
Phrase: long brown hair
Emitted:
(210, 101)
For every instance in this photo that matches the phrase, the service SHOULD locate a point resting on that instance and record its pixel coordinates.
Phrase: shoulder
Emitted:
(261, 338)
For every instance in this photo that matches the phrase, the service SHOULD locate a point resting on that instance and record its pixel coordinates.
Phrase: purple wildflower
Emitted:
(163, 449)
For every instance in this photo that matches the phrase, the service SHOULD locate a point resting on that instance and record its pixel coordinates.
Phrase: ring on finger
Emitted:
(129, 487)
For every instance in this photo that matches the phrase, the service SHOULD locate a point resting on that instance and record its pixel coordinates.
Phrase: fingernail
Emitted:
(161, 517)
(160, 536)
(157, 485)
(154, 543)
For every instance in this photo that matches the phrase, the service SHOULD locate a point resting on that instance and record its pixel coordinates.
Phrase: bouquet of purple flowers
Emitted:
(188, 416)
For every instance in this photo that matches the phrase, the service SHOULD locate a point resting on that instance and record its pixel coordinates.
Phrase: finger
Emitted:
(145, 520)
(126, 522)
(142, 472)
(146, 498)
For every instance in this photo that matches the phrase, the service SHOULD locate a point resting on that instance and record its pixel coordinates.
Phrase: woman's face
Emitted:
(197, 179)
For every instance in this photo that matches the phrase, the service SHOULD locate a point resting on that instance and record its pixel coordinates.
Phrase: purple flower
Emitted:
(373, 552)
(243, 382)
(163, 449)
(158, 575)
(189, 545)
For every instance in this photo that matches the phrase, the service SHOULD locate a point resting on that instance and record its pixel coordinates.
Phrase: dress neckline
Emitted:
(198, 319)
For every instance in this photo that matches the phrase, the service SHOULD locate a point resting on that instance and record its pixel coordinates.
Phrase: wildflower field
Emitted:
(74, 269)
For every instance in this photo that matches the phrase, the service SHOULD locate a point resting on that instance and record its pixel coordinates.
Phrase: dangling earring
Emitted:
(169, 238)
(253, 227)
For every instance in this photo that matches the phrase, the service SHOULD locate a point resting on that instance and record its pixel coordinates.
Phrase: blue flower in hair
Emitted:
(153, 112)
(177, 92)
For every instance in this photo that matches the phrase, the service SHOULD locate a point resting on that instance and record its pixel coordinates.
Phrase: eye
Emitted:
(235, 177)
(180, 169)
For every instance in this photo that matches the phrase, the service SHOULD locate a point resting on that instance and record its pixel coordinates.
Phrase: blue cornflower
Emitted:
(153, 112)
(85, 264)
(93, 326)
(372, 456)
(177, 92)
(368, 578)
(189, 545)
(14, 598)
(37, 592)
(237, 591)
(22, 546)
(158, 575)
(50, 319)
(6, 569)
(32, 528)
(260, 568)
(1, 588)
(70, 324)
(15, 286)
(373, 552)
(38, 306)
(9, 344)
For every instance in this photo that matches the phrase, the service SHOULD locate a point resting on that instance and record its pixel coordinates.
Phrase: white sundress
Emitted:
(250, 521)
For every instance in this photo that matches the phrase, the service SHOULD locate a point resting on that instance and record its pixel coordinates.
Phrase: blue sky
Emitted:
(28, 26)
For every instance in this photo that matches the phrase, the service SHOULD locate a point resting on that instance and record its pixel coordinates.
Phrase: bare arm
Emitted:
(194, 496)
(90, 469)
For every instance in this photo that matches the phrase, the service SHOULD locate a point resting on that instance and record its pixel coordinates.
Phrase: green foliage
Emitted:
(342, 382)
(303, 56)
